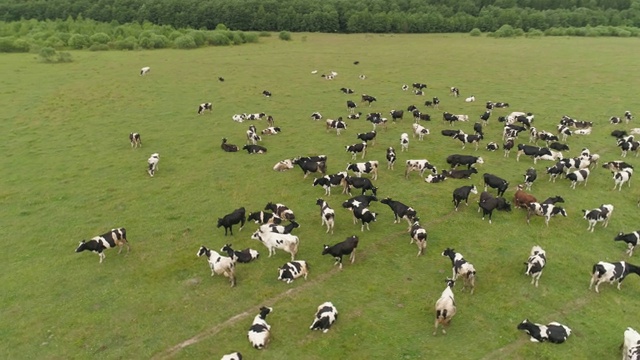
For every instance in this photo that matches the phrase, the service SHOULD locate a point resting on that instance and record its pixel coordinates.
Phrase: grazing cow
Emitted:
(336, 124)
(507, 146)
(346, 247)
(266, 93)
(276, 228)
(511, 130)
(271, 131)
(236, 355)
(445, 308)
(529, 177)
(261, 217)
(351, 106)
(521, 199)
(611, 272)
(617, 165)
(245, 256)
(391, 157)
(221, 265)
(204, 106)
(535, 152)
(283, 165)
(357, 148)
(418, 165)
(553, 332)
(237, 216)
(469, 160)
(254, 149)
(287, 242)
(419, 86)
(97, 244)
(369, 167)
(228, 147)
(259, 332)
(547, 210)
(495, 182)
(145, 70)
(631, 345)
(365, 216)
(564, 131)
(460, 174)
(404, 142)
(358, 183)
(555, 170)
(630, 239)
(460, 267)
(316, 116)
(462, 193)
(329, 181)
(470, 99)
(535, 264)
(280, 210)
(396, 114)
(400, 211)
(578, 176)
(327, 215)
(469, 139)
(492, 146)
(553, 200)
(420, 131)
(621, 177)
(451, 118)
(293, 270)
(451, 133)
(454, 91)
(326, 315)
(368, 99)
(153, 164)
(559, 146)
(135, 140)
(309, 165)
(368, 136)
(433, 179)
(488, 203)
(346, 90)
(419, 235)
(601, 214)
(354, 116)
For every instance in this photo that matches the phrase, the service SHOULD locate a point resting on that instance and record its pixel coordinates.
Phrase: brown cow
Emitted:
(522, 199)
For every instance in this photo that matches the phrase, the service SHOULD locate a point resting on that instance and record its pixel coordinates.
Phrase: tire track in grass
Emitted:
(170, 352)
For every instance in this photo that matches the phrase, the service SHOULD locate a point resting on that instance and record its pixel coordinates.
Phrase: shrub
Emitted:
(185, 42)
(100, 38)
(79, 41)
(475, 32)
(264, 34)
(284, 35)
(54, 42)
(534, 33)
(7, 44)
(251, 37)
(47, 54)
(217, 38)
(126, 44)
(198, 37)
(64, 57)
(174, 35)
(505, 31)
(221, 26)
(99, 47)
(237, 38)
(624, 33)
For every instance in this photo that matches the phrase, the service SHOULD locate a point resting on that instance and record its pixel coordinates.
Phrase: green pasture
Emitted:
(69, 173)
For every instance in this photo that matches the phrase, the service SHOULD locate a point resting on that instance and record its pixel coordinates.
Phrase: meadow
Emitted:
(69, 174)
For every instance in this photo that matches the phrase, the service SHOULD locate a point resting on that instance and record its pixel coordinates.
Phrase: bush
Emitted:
(264, 34)
(237, 38)
(79, 41)
(54, 42)
(21, 45)
(174, 35)
(126, 44)
(185, 42)
(251, 37)
(534, 33)
(505, 31)
(47, 54)
(99, 47)
(198, 37)
(284, 35)
(100, 38)
(7, 44)
(64, 57)
(624, 33)
(554, 31)
(475, 32)
(221, 26)
(217, 38)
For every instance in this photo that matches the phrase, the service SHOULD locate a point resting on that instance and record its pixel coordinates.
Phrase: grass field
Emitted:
(69, 174)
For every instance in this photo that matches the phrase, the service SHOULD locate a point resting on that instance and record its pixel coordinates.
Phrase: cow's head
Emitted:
(82, 246)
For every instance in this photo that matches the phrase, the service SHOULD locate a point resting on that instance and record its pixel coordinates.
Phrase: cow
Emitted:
(346, 90)
(204, 106)
(485, 117)
(559, 146)
(460, 267)
(272, 130)
(259, 332)
(488, 203)
(358, 183)
(391, 157)
(578, 176)
(276, 228)
(555, 170)
(221, 265)
(417, 116)
(611, 272)
(236, 355)
(621, 177)
(522, 199)
(445, 308)
(492, 146)
(507, 146)
(501, 105)
(362, 76)
(400, 211)
(325, 316)
(359, 201)
(529, 177)
(396, 114)
(511, 130)
(254, 149)
(152, 163)
(235, 217)
(631, 345)
(420, 165)
(266, 93)
(553, 200)
(489, 105)
(617, 165)
(615, 120)
(433, 179)
(252, 135)
(346, 247)
(309, 165)
(454, 91)
(419, 86)
(564, 131)
(244, 256)
(365, 216)
(368, 136)
(228, 147)
(420, 131)
(111, 239)
(354, 116)
(451, 118)
(280, 210)
(469, 160)
(462, 193)
(495, 182)
(534, 151)
(368, 99)
(404, 142)
(261, 217)
(293, 270)
(283, 165)
(601, 214)
(339, 125)
(255, 116)
(357, 148)
(627, 116)
(631, 239)
(327, 215)
(460, 174)
(369, 167)
(329, 181)
(316, 116)
(451, 133)
(239, 117)
(273, 241)
(145, 70)
(419, 235)
(405, 87)
(470, 99)
(351, 106)
(135, 140)
(553, 332)
(535, 264)
(469, 139)
(547, 210)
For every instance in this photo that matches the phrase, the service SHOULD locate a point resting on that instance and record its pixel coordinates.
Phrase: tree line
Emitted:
(338, 16)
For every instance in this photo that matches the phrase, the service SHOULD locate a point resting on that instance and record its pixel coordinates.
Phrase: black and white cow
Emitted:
(434, 179)
(135, 140)
(368, 99)
(420, 165)
(400, 211)
(259, 332)
(339, 125)
(391, 157)
(221, 265)
(262, 217)
(454, 91)
(535, 152)
(327, 215)
(485, 117)
(236, 355)
(368, 167)
(346, 247)
(310, 165)
(329, 181)
(228, 147)
(507, 146)
(631, 239)
(351, 106)
(462, 193)
(578, 176)
(469, 160)
(277, 228)
(611, 272)
(357, 148)
(325, 316)
(488, 203)
(280, 210)
(631, 345)
(152, 164)
(529, 177)
(621, 177)
(316, 116)
(354, 116)
(244, 256)
(111, 239)
(460, 267)
(451, 118)
(368, 136)
(254, 149)
(617, 165)
(266, 93)
(272, 241)
(272, 130)
(564, 131)
(553, 332)
(492, 146)
(359, 201)
(346, 90)
(404, 142)
(555, 170)
(419, 86)
(365, 216)
(359, 183)
(445, 308)
(420, 131)
(601, 214)
(495, 182)
(145, 70)
(545, 210)
(293, 270)
(419, 235)
(204, 106)
(535, 264)
(460, 174)
(469, 139)
(396, 114)
(237, 216)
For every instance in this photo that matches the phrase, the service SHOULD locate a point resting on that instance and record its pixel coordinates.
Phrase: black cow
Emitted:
(351, 106)
(346, 247)
(255, 149)
(281, 210)
(446, 116)
(396, 114)
(237, 216)
(97, 244)
(488, 203)
(477, 129)
(368, 136)
(495, 182)
(460, 174)
(451, 133)
(400, 211)
(559, 146)
(630, 239)
(368, 98)
(469, 160)
(485, 116)
(309, 165)
(204, 106)
(359, 183)
(329, 181)
(346, 90)
(462, 193)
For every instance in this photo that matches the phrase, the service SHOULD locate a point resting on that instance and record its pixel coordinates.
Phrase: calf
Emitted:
(234, 355)
(529, 177)
(420, 165)
(326, 315)
(391, 157)
(454, 91)
(419, 235)
(495, 182)
(221, 265)
(359, 183)
(462, 193)
(420, 131)
(400, 211)
(273, 241)
(293, 270)
(346, 247)
(204, 106)
(555, 170)
(468, 160)
(327, 215)
(336, 124)
(237, 216)
(135, 140)
(535, 264)
(460, 174)
(404, 142)
(460, 267)
(630, 239)
(368, 136)
(611, 272)
(631, 345)
(485, 116)
(111, 239)
(488, 203)
(357, 148)
(354, 116)
(243, 256)
(434, 179)
(255, 149)
(239, 117)
(369, 167)
(228, 147)
(309, 165)
(521, 199)
(545, 210)
(445, 308)
(578, 176)
(259, 332)
(152, 163)
(617, 165)
(470, 99)
(329, 181)
(252, 135)
(507, 146)
(553, 332)
(283, 165)
(280, 210)
(601, 214)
